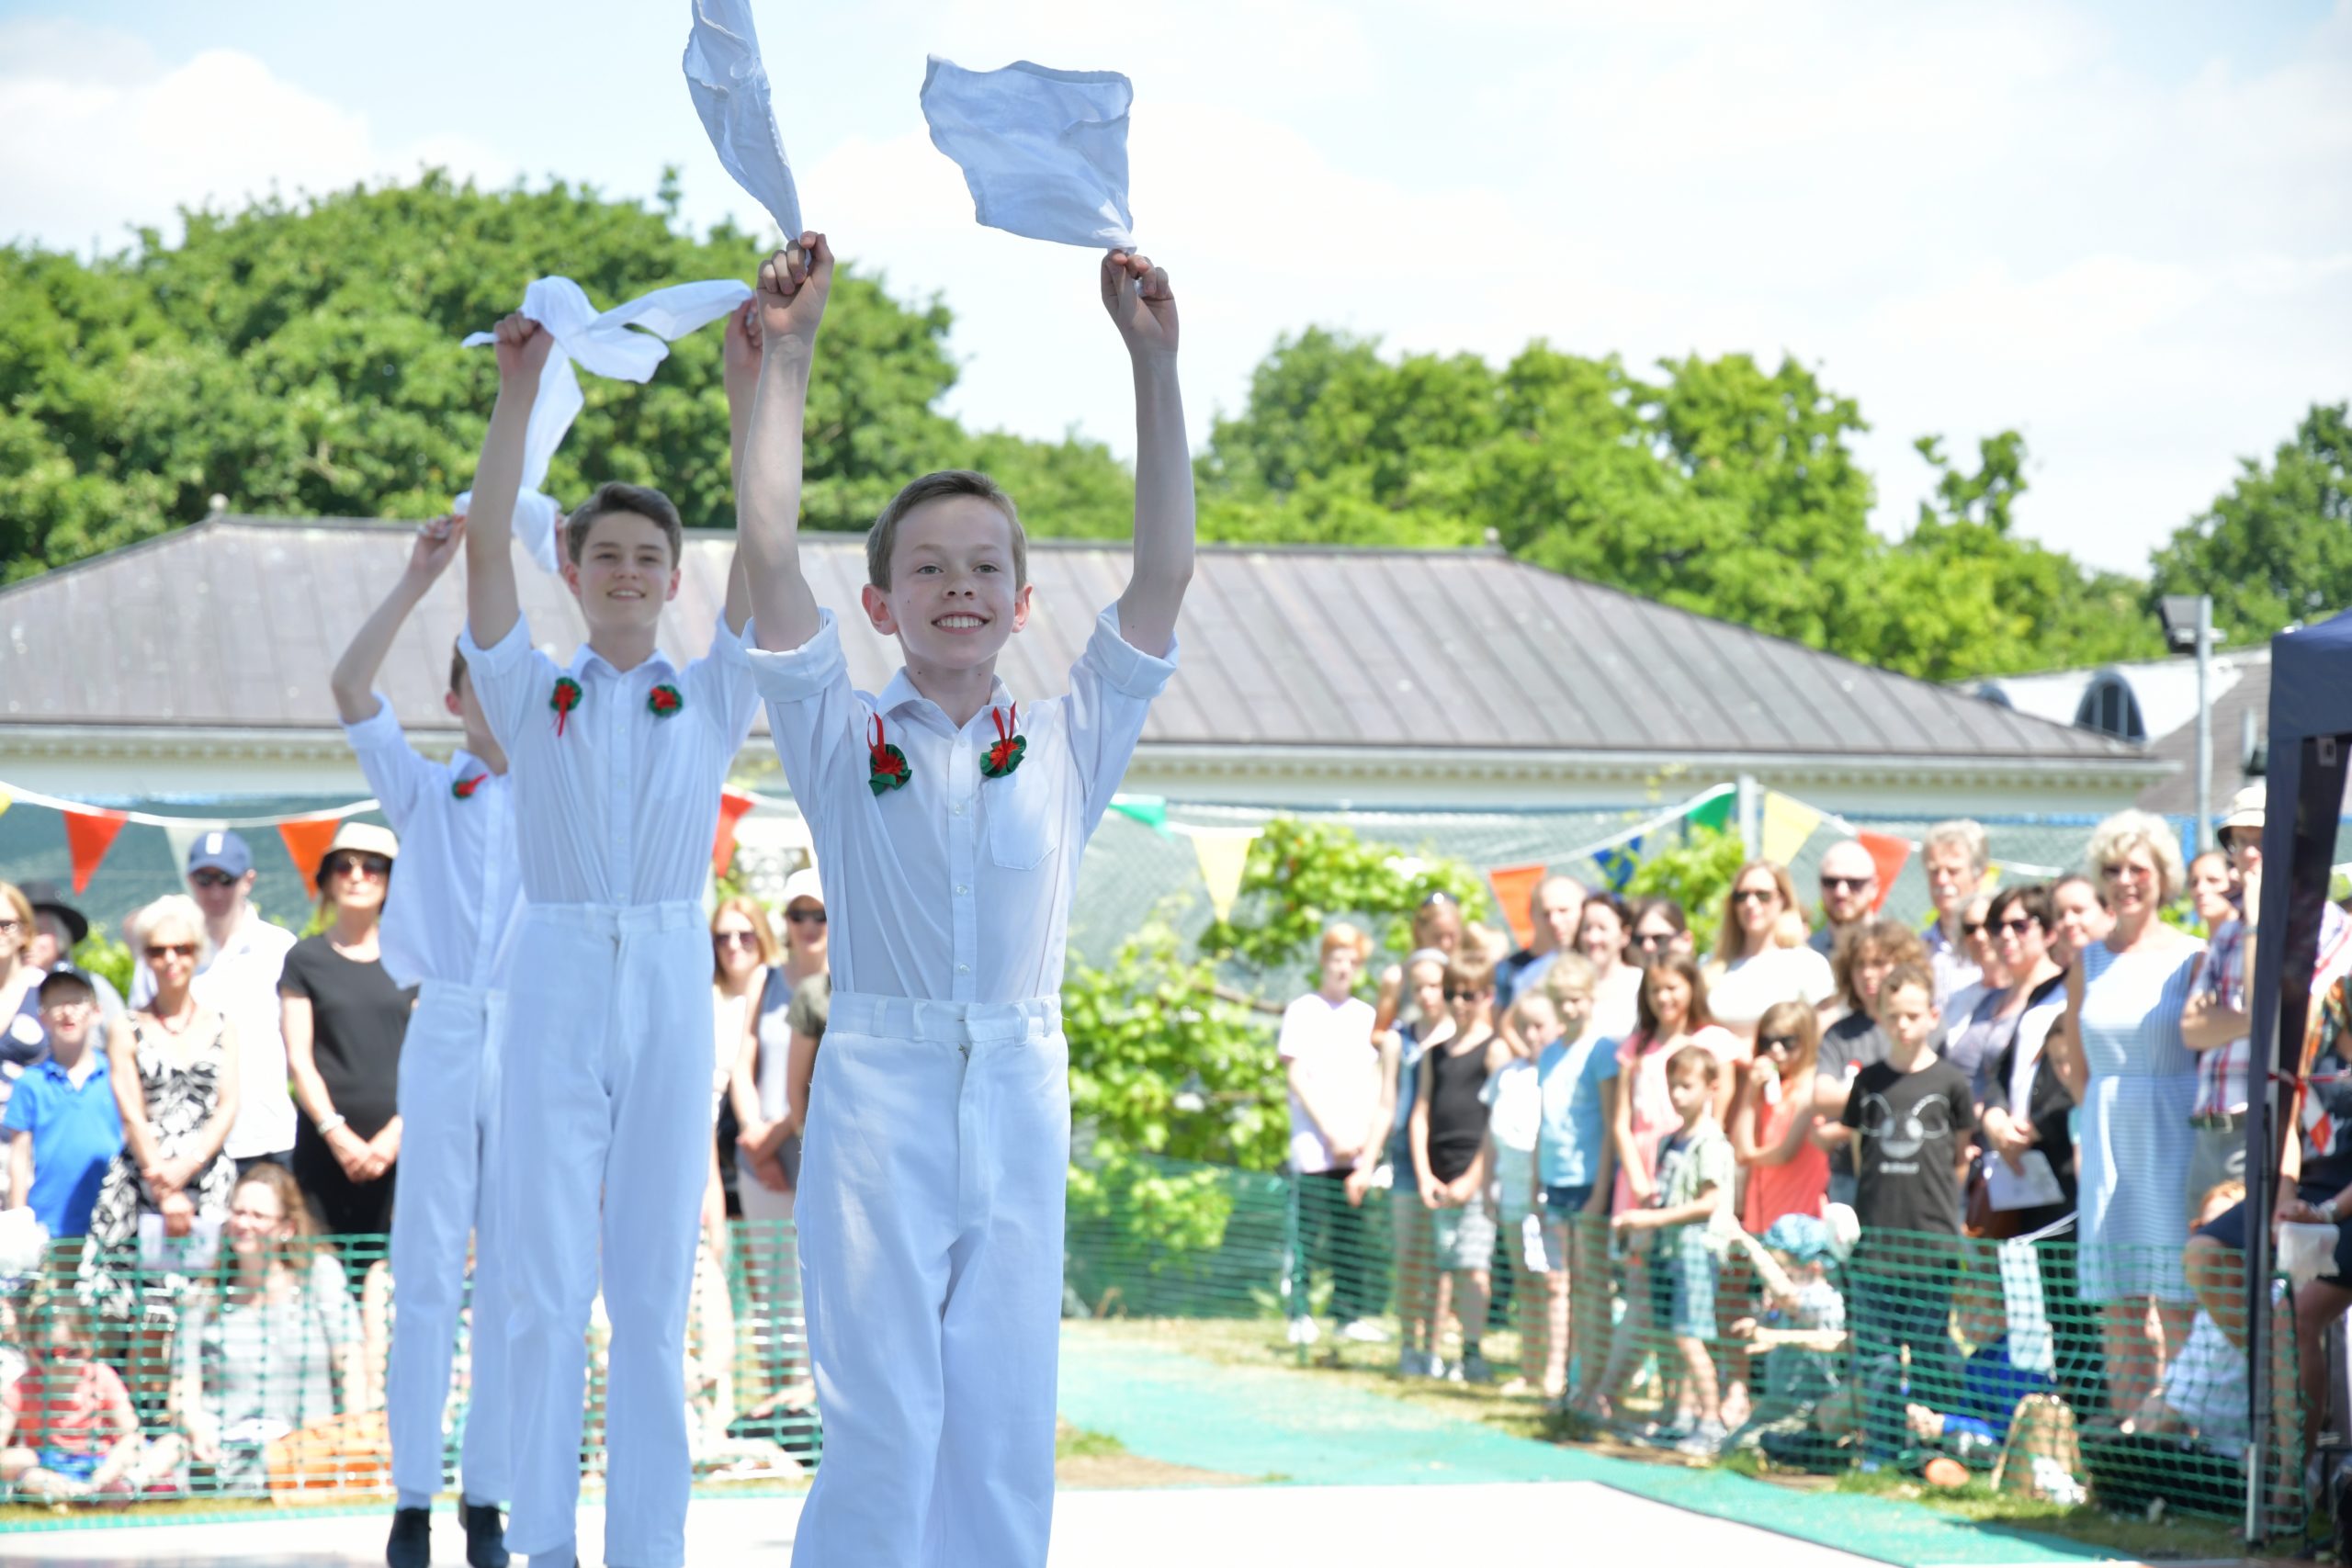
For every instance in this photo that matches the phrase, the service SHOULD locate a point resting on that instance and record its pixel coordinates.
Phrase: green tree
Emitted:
(2276, 547)
(1695, 871)
(1302, 875)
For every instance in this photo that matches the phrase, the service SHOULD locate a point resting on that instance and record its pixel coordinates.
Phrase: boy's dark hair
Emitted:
(643, 500)
(457, 664)
(883, 538)
(1693, 1059)
(1904, 975)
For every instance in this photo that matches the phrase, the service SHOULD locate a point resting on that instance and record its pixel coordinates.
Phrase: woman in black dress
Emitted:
(343, 1020)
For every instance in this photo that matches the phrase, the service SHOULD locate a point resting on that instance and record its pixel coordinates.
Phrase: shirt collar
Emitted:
(49, 1065)
(587, 658)
(900, 694)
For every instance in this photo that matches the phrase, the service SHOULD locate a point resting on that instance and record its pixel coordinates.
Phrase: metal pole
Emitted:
(2204, 724)
(1751, 825)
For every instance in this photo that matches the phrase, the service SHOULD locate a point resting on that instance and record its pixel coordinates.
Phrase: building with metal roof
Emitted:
(195, 666)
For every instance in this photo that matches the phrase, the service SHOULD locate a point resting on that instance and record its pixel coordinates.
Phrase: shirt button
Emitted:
(963, 969)
(961, 890)
(959, 808)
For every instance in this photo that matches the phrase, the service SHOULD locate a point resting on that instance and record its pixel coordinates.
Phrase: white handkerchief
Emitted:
(729, 87)
(629, 342)
(1044, 151)
(2032, 1186)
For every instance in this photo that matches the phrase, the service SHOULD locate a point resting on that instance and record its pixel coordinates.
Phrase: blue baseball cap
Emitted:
(219, 851)
(1801, 1236)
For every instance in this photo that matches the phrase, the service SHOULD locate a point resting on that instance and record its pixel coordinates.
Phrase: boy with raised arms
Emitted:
(615, 761)
(948, 820)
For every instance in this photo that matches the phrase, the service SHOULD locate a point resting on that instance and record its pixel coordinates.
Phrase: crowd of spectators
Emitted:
(1946, 1171)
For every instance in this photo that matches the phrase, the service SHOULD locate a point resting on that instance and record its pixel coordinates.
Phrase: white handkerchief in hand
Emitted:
(628, 343)
(730, 87)
(1043, 153)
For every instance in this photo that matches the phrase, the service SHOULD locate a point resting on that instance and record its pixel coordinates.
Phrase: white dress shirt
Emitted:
(457, 891)
(241, 985)
(954, 887)
(619, 809)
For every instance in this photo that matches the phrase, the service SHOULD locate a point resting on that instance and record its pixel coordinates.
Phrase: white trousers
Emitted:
(451, 1194)
(932, 1181)
(607, 1088)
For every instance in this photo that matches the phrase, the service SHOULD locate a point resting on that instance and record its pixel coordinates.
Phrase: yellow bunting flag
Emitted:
(1788, 823)
(1223, 852)
(7, 800)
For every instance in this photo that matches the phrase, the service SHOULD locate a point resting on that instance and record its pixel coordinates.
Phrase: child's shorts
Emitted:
(1563, 1215)
(1682, 1284)
(72, 1466)
(1465, 1237)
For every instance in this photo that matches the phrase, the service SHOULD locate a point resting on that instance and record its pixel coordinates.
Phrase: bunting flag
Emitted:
(88, 833)
(1618, 864)
(732, 804)
(306, 845)
(1715, 813)
(1223, 853)
(1151, 811)
(1889, 855)
(1788, 823)
(7, 800)
(1514, 888)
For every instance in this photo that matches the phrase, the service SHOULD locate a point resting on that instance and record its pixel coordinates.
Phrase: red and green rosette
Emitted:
(566, 698)
(886, 767)
(464, 788)
(664, 700)
(1005, 753)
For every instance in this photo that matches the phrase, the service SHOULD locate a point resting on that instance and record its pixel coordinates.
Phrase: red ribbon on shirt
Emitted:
(886, 768)
(1010, 748)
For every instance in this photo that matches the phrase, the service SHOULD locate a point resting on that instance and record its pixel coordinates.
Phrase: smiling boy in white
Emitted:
(949, 824)
(616, 763)
(448, 925)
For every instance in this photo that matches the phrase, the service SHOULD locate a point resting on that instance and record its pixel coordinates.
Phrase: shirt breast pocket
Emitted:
(1020, 818)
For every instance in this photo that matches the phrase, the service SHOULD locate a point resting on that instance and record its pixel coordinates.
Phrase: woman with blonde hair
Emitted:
(2122, 1057)
(1333, 1066)
(1761, 956)
(173, 1066)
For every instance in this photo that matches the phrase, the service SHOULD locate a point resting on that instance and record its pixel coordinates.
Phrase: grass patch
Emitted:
(1077, 1442)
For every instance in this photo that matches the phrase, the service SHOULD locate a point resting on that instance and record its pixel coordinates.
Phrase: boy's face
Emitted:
(1689, 1092)
(67, 1013)
(1429, 989)
(625, 573)
(952, 602)
(1340, 967)
(1907, 1014)
(467, 709)
(1574, 1005)
(1539, 1023)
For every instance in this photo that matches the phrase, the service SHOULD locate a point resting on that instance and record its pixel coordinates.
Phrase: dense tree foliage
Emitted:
(304, 359)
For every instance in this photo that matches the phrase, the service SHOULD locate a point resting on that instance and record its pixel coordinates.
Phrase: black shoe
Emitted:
(411, 1543)
(485, 1535)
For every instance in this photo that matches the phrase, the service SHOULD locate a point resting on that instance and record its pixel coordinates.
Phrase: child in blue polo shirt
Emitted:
(63, 1125)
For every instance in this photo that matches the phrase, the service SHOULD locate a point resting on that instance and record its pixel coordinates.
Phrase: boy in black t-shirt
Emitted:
(1912, 1115)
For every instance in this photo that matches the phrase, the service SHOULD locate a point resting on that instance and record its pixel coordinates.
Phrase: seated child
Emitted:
(1800, 1328)
(67, 1430)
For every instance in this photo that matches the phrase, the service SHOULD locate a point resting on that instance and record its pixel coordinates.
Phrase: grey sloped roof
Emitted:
(236, 621)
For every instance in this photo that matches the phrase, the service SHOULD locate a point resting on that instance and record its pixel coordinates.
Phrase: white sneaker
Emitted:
(1706, 1441)
(1432, 1364)
(1364, 1331)
(1304, 1332)
(1448, 1372)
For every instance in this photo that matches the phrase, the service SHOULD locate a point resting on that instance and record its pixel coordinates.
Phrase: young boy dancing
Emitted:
(448, 927)
(616, 761)
(949, 823)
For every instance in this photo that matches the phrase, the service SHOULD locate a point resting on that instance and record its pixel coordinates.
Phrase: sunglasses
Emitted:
(378, 866)
(160, 951)
(1778, 1042)
(1757, 896)
(1654, 939)
(1846, 884)
(1454, 995)
(1971, 928)
(11, 924)
(210, 877)
(734, 939)
(2119, 870)
(805, 916)
(2015, 924)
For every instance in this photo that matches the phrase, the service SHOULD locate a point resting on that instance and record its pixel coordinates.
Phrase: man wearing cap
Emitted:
(448, 929)
(63, 1125)
(244, 958)
(2215, 1022)
(58, 928)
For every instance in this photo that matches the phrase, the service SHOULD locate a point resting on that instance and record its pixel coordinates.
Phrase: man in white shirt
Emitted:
(243, 956)
(1956, 857)
(949, 823)
(1333, 1067)
(448, 923)
(616, 762)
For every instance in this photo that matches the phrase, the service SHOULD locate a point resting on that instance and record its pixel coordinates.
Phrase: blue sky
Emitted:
(2125, 228)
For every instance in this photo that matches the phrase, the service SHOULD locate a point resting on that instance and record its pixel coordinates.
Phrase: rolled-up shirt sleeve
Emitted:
(506, 676)
(720, 682)
(1110, 691)
(393, 769)
(814, 715)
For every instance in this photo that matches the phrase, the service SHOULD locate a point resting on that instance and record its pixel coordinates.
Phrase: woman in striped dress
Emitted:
(2121, 1055)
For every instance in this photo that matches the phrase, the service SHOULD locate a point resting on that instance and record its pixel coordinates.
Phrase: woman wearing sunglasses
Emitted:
(173, 1065)
(345, 1019)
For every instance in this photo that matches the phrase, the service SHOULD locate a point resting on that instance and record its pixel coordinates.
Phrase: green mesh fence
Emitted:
(228, 1379)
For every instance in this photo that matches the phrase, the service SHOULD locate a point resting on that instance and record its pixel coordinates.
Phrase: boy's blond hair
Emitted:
(883, 538)
(1521, 1010)
(1569, 972)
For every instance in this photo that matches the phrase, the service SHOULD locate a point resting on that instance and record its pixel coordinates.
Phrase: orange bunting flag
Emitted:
(306, 845)
(732, 804)
(1889, 855)
(1515, 888)
(89, 833)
